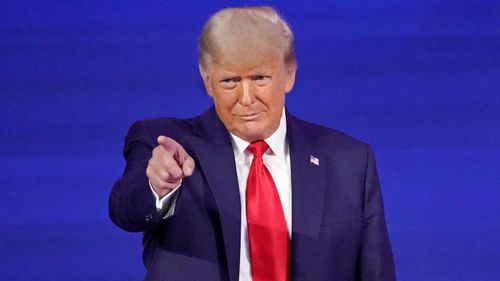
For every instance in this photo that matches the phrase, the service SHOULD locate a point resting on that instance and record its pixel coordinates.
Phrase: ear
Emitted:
(291, 69)
(206, 79)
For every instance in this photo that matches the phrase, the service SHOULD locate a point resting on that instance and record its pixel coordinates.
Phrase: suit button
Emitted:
(148, 218)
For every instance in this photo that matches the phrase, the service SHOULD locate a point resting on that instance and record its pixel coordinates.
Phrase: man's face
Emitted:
(249, 98)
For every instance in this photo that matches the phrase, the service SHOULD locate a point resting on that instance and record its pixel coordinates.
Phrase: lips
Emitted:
(249, 116)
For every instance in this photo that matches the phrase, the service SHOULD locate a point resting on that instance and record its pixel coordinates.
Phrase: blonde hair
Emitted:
(250, 31)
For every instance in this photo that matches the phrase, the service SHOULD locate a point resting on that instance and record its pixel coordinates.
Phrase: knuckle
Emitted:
(163, 175)
(171, 164)
(168, 162)
(154, 159)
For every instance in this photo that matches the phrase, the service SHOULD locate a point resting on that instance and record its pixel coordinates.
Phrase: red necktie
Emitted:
(267, 232)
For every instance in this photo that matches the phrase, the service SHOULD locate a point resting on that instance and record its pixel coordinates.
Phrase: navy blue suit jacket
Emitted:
(338, 225)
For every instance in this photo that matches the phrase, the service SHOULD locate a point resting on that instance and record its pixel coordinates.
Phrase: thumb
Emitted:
(188, 166)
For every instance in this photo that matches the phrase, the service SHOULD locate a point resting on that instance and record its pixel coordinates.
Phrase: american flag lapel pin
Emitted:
(313, 160)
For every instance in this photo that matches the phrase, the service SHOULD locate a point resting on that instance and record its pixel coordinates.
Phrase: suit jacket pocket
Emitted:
(342, 234)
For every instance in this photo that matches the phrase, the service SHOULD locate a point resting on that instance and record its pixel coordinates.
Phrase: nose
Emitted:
(246, 95)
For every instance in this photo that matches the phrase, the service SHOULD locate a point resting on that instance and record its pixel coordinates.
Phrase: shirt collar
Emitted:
(277, 141)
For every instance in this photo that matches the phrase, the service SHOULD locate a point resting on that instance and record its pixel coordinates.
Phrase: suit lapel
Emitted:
(215, 154)
(308, 187)
(214, 151)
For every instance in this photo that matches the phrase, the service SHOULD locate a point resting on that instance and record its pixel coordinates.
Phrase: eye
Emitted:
(261, 80)
(229, 83)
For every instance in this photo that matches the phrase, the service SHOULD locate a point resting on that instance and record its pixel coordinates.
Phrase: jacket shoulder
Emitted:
(176, 128)
(324, 136)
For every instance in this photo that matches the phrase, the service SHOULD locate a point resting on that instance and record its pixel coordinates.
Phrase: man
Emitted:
(247, 191)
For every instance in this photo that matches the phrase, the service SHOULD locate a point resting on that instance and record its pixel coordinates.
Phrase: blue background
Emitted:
(419, 80)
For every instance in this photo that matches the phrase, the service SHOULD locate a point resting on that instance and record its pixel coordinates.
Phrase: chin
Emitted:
(253, 134)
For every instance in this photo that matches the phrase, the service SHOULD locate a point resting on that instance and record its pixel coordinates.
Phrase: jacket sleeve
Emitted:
(375, 259)
(131, 203)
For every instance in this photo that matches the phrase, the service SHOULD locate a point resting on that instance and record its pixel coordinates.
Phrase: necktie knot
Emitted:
(258, 148)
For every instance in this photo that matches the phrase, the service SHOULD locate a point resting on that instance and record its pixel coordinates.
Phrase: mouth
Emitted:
(248, 116)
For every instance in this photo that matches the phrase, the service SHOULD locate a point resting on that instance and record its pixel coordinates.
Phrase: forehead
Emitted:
(236, 68)
(247, 61)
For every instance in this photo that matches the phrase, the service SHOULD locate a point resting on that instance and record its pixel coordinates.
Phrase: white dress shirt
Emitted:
(277, 161)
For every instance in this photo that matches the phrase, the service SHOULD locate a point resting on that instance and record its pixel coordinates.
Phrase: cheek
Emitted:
(275, 99)
(222, 98)
(224, 104)
(227, 103)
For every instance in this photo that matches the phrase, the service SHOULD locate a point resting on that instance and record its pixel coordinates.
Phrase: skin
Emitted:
(249, 99)
(168, 165)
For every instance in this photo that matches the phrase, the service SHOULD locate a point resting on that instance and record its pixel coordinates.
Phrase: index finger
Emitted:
(169, 144)
(178, 152)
